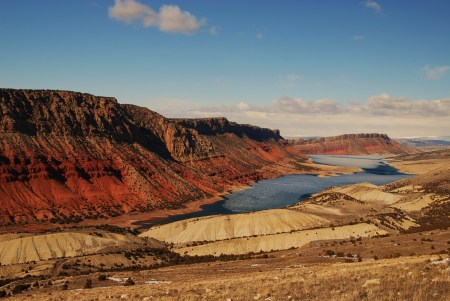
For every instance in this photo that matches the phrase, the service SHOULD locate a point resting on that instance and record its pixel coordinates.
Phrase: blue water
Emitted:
(289, 189)
(370, 164)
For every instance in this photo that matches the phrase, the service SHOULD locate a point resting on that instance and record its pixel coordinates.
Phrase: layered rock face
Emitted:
(352, 144)
(67, 156)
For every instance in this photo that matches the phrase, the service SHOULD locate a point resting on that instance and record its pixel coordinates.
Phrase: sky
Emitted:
(308, 68)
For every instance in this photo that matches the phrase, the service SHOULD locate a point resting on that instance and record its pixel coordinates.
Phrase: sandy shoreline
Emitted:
(131, 220)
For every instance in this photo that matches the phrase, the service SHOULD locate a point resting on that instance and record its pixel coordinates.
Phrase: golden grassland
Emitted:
(422, 162)
(406, 278)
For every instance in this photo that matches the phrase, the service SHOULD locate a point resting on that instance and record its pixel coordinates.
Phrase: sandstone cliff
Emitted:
(67, 156)
(352, 144)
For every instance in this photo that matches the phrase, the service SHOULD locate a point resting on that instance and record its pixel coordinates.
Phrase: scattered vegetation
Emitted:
(88, 283)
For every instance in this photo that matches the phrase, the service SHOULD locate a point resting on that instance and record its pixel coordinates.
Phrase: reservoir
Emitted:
(290, 189)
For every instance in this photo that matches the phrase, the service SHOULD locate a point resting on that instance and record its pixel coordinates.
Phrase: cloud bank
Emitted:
(396, 116)
(170, 18)
(377, 105)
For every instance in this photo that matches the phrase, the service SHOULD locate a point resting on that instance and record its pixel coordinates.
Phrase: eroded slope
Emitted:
(353, 144)
(67, 156)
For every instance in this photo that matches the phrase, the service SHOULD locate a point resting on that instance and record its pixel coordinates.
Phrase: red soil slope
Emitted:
(67, 156)
(353, 144)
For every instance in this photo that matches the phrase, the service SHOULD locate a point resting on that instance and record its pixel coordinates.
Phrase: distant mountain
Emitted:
(427, 143)
(66, 156)
(352, 144)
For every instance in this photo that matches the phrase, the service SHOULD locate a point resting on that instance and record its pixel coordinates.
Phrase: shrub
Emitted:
(329, 252)
(88, 283)
(102, 277)
(20, 288)
(129, 282)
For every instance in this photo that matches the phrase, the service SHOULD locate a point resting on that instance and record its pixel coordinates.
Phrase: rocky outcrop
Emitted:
(66, 156)
(352, 144)
(216, 126)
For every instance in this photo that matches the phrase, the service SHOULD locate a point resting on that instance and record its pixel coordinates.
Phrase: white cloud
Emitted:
(436, 72)
(172, 19)
(169, 19)
(358, 38)
(373, 5)
(243, 106)
(300, 106)
(384, 104)
(354, 103)
(259, 36)
(291, 79)
(214, 30)
(256, 115)
(128, 11)
(376, 105)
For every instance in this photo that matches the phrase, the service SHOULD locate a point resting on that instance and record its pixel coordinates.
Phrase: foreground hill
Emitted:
(353, 144)
(289, 278)
(28, 248)
(67, 156)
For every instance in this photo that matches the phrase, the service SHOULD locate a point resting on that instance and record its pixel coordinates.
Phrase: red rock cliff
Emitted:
(352, 144)
(66, 156)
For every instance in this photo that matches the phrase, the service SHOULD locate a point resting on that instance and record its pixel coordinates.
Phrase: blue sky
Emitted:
(265, 62)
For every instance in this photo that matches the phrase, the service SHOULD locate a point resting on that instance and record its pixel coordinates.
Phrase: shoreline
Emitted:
(126, 220)
(326, 171)
(133, 220)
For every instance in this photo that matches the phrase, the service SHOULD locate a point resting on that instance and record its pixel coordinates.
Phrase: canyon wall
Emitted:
(67, 156)
(352, 144)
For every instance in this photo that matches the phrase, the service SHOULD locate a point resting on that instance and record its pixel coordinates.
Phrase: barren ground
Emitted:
(357, 242)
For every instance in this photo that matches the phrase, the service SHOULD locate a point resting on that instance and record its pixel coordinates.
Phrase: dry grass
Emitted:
(407, 278)
(423, 162)
(420, 166)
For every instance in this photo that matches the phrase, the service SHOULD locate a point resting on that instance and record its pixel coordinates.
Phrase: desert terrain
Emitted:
(224, 150)
(375, 242)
